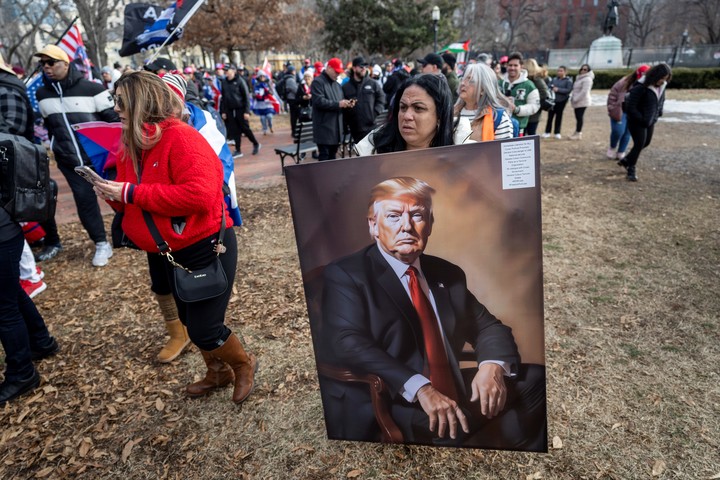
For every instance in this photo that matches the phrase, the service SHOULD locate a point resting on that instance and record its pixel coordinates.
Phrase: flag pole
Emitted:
(179, 26)
(37, 67)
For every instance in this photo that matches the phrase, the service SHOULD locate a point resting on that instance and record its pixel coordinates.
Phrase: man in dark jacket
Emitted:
(398, 76)
(66, 99)
(327, 103)
(235, 109)
(287, 89)
(369, 100)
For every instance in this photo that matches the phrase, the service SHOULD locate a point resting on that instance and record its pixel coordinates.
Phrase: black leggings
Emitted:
(579, 114)
(555, 113)
(641, 139)
(205, 320)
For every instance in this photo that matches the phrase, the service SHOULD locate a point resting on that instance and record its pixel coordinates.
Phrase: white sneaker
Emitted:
(611, 153)
(576, 136)
(545, 135)
(558, 136)
(620, 155)
(103, 252)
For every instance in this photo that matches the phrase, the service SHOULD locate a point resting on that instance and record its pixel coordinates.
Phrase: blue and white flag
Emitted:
(149, 27)
(204, 123)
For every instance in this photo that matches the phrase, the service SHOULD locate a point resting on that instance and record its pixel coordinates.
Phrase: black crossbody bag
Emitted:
(194, 285)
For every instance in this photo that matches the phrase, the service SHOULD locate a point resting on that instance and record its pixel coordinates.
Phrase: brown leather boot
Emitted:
(243, 364)
(218, 375)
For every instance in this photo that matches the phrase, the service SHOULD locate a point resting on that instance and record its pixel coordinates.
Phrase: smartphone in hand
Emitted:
(89, 174)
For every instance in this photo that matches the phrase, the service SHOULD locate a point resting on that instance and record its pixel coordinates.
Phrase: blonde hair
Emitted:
(147, 101)
(398, 187)
(532, 67)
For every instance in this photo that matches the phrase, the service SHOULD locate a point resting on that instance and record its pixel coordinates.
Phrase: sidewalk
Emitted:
(251, 171)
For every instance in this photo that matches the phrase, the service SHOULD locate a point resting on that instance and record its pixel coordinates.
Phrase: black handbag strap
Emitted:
(162, 245)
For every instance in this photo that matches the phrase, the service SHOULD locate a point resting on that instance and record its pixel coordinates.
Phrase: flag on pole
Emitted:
(149, 27)
(72, 44)
(456, 47)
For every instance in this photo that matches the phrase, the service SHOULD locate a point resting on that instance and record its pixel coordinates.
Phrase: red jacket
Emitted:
(181, 177)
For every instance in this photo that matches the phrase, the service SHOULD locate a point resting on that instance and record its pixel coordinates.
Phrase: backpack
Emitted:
(281, 88)
(498, 119)
(548, 102)
(25, 191)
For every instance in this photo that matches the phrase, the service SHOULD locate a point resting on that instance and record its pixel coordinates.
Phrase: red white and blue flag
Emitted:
(72, 44)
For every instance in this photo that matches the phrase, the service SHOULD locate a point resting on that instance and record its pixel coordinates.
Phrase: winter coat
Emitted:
(615, 100)
(235, 95)
(581, 90)
(543, 91)
(17, 110)
(643, 106)
(70, 101)
(326, 115)
(524, 94)
(181, 177)
(393, 83)
(564, 88)
(370, 103)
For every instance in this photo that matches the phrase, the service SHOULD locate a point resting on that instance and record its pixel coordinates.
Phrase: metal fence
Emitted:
(697, 56)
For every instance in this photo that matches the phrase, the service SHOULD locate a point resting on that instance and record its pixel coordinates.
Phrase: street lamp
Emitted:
(435, 19)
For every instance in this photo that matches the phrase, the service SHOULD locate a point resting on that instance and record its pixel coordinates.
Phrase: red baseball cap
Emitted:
(336, 64)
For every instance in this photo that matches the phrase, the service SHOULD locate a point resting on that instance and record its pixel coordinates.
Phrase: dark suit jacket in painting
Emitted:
(370, 325)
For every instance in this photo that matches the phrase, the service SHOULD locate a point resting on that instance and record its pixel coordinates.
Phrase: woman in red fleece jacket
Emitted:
(169, 170)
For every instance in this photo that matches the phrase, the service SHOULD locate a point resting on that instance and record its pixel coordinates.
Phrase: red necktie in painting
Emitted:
(440, 374)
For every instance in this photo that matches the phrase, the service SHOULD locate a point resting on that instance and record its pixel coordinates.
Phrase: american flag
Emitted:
(72, 44)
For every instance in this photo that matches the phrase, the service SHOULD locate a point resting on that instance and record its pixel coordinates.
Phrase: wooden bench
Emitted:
(302, 145)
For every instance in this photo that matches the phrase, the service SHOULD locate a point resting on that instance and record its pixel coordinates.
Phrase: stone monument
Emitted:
(606, 51)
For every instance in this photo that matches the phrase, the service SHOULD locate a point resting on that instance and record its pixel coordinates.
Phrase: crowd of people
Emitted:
(193, 116)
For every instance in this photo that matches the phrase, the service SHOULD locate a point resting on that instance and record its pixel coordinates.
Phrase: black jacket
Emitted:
(393, 83)
(235, 95)
(642, 105)
(68, 102)
(370, 103)
(327, 117)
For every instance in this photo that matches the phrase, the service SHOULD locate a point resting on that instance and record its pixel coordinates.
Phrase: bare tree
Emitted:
(27, 18)
(249, 25)
(94, 16)
(517, 18)
(705, 15)
(646, 17)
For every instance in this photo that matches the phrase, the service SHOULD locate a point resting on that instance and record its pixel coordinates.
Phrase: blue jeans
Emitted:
(21, 326)
(266, 121)
(619, 133)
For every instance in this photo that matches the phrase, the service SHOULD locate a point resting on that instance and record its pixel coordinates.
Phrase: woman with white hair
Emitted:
(481, 110)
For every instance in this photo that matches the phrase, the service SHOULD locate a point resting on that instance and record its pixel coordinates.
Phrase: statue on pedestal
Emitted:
(612, 19)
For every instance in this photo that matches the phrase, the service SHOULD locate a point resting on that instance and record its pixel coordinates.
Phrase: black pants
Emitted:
(294, 110)
(327, 152)
(87, 205)
(579, 114)
(557, 114)
(205, 321)
(237, 126)
(522, 425)
(641, 137)
(531, 128)
(22, 328)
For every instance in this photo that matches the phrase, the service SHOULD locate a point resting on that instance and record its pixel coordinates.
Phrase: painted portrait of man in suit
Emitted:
(405, 350)
(392, 311)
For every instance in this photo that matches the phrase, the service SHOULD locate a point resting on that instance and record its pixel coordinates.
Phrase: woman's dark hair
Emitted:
(656, 73)
(585, 65)
(388, 137)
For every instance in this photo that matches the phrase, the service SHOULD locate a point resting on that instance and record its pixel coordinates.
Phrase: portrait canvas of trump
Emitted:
(423, 279)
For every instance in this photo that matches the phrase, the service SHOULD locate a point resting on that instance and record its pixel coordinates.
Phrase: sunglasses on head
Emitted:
(50, 62)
